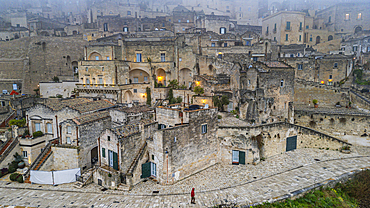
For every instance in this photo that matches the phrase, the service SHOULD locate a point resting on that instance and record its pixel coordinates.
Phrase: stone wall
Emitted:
(40, 59)
(48, 89)
(65, 158)
(334, 123)
(305, 92)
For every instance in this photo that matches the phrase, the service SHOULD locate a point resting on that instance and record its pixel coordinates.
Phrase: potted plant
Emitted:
(346, 149)
(315, 103)
(349, 104)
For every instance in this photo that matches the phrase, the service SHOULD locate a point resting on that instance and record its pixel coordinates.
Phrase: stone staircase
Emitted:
(7, 148)
(84, 179)
(6, 145)
(39, 164)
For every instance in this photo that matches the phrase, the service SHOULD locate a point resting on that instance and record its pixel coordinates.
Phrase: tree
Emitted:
(19, 123)
(170, 96)
(178, 99)
(174, 84)
(224, 101)
(198, 90)
(56, 79)
(148, 97)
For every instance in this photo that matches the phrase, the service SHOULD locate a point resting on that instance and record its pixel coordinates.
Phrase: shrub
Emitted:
(19, 123)
(59, 96)
(37, 134)
(198, 90)
(219, 116)
(20, 179)
(314, 101)
(109, 175)
(346, 147)
(14, 176)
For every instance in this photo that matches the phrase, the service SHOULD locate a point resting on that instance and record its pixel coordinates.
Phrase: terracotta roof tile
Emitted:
(91, 117)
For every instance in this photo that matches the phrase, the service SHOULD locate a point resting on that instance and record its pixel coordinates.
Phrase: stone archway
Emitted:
(161, 76)
(138, 76)
(330, 37)
(44, 33)
(318, 39)
(185, 77)
(127, 97)
(75, 66)
(358, 29)
(95, 56)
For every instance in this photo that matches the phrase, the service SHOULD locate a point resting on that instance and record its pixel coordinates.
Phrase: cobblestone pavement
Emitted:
(274, 178)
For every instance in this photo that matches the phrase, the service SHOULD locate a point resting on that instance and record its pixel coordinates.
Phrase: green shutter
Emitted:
(103, 152)
(145, 170)
(115, 161)
(241, 157)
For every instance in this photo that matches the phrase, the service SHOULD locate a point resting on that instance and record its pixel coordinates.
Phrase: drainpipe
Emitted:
(56, 123)
(118, 150)
(60, 129)
(76, 134)
(99, 151)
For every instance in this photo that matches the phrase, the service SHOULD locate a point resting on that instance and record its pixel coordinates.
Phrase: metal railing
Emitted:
(8, 149)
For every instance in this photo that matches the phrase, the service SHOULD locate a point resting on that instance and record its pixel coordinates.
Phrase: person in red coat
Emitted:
(192, 196)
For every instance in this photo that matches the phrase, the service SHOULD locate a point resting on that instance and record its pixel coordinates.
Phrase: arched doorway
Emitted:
(318, 39)
(161, 77)
(185, 77)
(94, 155)
(95, 56)
(139, 76)
(330, 38)
(74, 32)
(75, 66)
(127, 97)
(358, 29)
(44, 33)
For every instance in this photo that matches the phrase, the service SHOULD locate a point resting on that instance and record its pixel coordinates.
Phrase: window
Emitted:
(359, 16)
(329, 18)
(335, 65)
(179, 20)
(37, 127)
(220, 56)
(222, 30)
(145, 79)
(68, 140)
(97, 58)
(300, 26)
(163, 57)
(125, 29)
(300, 38)
(282, 83)
(126, 81)
(347, 17)
(108, 58)
(136, 80)
(87, 81)
(311, 39)
(274, 38)
(100, 80)
(103, 152)
(213, 44)
(69, 129)
(330, 76)
(187, 21)
(24, 153)
(135, 90)
(225, 44)
(267, 30)
(204, 128)
(105, 27)
(275, 27)
(354, 48)
(255, 58)
(18, 25)
(235, 157)
(300, 66)
(307, 27)
(287, 26)
(286, 37)
(128, 13)
(138, 57)
(108, 137)
(49, 128)
(87, 69)
(153, 169)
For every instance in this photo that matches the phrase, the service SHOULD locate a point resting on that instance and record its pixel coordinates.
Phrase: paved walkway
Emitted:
(254, 188)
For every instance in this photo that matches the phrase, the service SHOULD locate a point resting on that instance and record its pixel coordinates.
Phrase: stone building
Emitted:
(324, 69)
(266, 92)
(291, 27)
(346, 18)
(357, 46)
